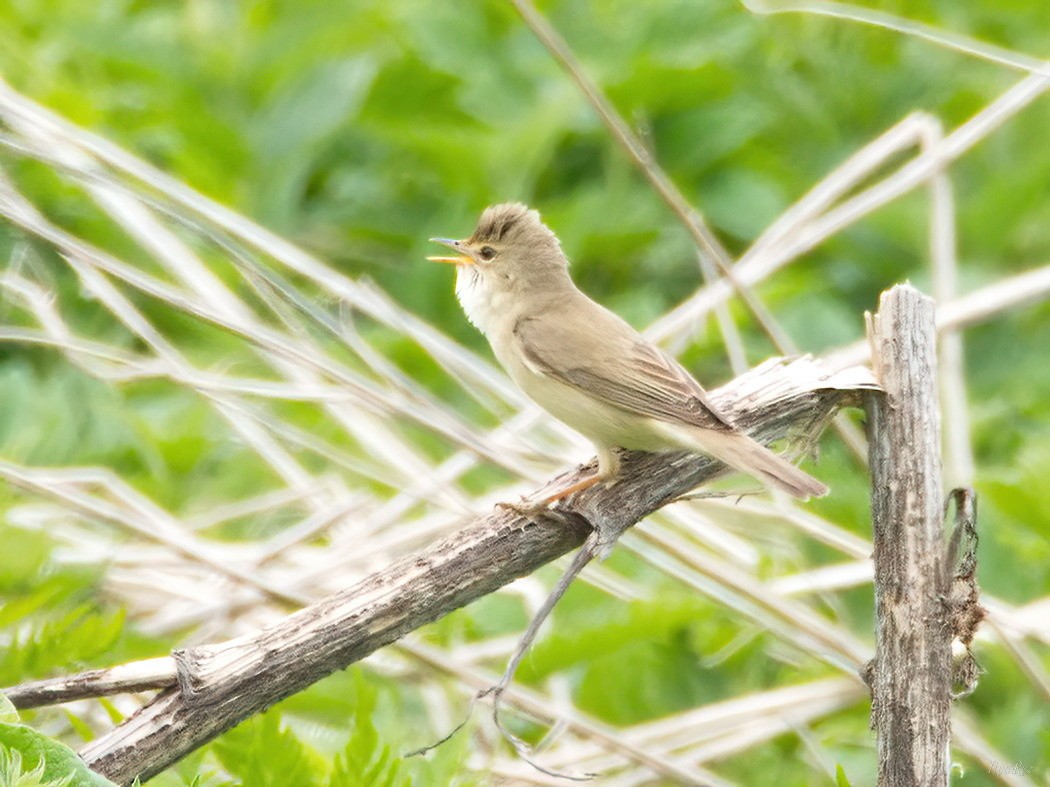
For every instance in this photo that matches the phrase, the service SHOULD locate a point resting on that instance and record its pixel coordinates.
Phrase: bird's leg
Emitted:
(608, 464)
(607, 472)
(529, 509)
(571, 489)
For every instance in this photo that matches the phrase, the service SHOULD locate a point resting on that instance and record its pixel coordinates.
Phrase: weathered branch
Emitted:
(912, 672)
(158, 673)
(223, 684)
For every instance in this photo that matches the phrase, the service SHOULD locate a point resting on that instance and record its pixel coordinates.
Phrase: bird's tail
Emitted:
(742, 453)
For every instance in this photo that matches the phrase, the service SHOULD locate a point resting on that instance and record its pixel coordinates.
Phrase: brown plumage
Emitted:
(584, 364)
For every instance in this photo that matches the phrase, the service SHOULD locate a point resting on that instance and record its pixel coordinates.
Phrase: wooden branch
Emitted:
(220, 685)
(158, 673)
(912, 672)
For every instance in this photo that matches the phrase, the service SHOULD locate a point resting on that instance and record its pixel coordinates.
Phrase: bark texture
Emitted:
(220, 685)
(912, 673)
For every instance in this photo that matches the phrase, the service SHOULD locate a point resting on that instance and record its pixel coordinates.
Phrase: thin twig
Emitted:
(691, 219)
(584, 555)
(958, 452)
(751, 269)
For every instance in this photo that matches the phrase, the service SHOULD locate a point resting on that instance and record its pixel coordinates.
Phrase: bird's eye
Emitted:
(487, 253)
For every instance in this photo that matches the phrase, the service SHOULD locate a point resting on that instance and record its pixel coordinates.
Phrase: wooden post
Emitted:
(911, 676)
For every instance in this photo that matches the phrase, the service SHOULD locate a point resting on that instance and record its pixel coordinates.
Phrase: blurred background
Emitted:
(355, 132)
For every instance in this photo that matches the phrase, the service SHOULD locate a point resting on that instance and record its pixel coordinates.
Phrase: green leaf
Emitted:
(364, 759)
(78, 635)
(57, 763)
(262, 752)
(8, 712)
(840, 777)
(80, 727)
(13, 774)
(24, 556)
(116, 716)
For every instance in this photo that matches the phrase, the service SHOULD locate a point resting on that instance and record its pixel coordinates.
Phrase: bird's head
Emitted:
(510, 244)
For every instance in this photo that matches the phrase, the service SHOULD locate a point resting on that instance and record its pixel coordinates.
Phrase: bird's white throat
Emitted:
(481, 303)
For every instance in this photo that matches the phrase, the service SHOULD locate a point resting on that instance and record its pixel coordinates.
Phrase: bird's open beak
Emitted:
(462, 259)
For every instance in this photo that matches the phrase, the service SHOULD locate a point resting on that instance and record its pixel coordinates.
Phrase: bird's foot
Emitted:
(525, 507)
(530, 508)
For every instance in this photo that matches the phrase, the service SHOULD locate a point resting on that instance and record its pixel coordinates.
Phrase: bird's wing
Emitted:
(622, 369)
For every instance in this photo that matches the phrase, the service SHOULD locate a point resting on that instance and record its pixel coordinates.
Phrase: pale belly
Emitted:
(495, 313)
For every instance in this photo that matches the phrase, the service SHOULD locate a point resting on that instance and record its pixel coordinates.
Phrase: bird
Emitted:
(584, 364)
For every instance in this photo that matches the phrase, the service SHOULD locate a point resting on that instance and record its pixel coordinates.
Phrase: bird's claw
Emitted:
(524, 507)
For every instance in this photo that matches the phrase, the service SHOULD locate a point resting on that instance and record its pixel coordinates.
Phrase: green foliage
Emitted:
(46, 617)
(8, 713)
(409, 135)
(360, 131)
(347, 730)
(366, 759)
(47, 623)
(30, 759)
(261, 751)
(13, 774)
(645, 649)
(60, 640)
